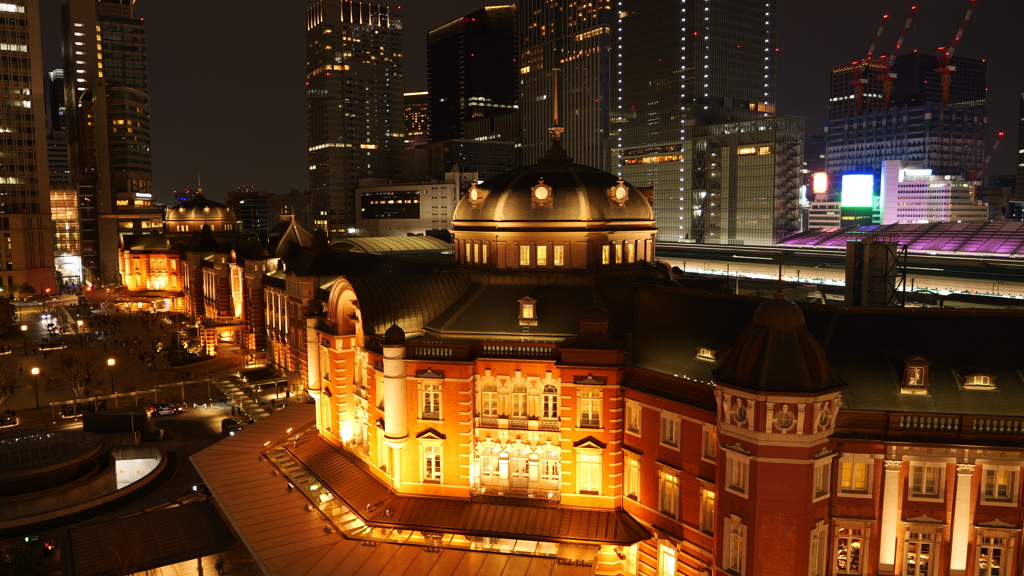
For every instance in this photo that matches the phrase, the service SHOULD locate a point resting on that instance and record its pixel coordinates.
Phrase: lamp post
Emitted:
(81, 345)
(110, 366)
(35, 384)
(24, 337)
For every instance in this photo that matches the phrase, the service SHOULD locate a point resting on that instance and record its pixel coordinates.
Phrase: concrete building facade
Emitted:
(912, 194)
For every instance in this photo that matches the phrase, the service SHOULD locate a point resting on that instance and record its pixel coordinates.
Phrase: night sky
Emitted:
(227, 77)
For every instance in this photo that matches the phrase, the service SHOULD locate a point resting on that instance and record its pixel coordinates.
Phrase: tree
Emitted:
(24, 559)
(77, 372)
(25, 289)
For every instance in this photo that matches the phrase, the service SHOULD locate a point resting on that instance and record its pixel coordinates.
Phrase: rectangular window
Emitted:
(431, 402)
(542, 255)
(618, 253)
(483, 252)
(668, 494)
(634, 413)
(919, 554)
(559, 255)
(823, 479)
(524, 255)
(709, 440)
(707, 511)
(632, 476)
(432, 464)
(630, 252)
(476, 253)
(606, 254)
(590, 408)
(589, 470)
(853, 477)
(736, 549)
(815, 554)
(736, 475)
(667, 561)
(992, 557)
(926, 481)
(999, 485)
(669, 430)
(849, 550)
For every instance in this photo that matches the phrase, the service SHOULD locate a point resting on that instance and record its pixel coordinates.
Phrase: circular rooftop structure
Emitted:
(191, 215)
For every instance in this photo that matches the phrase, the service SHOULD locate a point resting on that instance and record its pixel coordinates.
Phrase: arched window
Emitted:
(518, 401)
(489, 401)
(550, 402)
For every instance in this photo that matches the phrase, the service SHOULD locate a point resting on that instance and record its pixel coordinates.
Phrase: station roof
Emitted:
(395, 244)
(1002, 238)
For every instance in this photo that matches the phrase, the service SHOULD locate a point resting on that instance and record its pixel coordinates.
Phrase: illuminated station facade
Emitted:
(557, 392)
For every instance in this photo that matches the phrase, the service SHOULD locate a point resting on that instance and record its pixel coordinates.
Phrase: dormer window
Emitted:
(979, 380)
(973, 377)
(712, 353)
(705, 354)
(527, 312)
(915, 372)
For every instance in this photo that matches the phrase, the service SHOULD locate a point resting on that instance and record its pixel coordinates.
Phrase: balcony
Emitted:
(505, 423)
(534, 493)
(951, 428)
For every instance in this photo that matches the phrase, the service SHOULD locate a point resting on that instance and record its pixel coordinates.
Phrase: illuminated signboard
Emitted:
(819, 182)
(858, 190)
(759, 150)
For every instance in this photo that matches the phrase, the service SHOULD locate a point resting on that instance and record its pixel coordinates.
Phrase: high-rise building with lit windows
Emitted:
(574, 36)
(107, 110)
(472, 65)
(417, 119)
(355, 104)
(26, 231)
(1020, 149)
(693, 90)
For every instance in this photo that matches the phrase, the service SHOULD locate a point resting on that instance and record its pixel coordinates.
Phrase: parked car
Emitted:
(229, 425)
(5, 350)
(164, 409)
(53, 345)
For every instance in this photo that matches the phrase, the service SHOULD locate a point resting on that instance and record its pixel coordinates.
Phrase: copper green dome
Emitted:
(574, 193)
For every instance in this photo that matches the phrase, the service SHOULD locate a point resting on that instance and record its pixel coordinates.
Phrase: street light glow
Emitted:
(110, 361)
(35, 371)
(24, 327)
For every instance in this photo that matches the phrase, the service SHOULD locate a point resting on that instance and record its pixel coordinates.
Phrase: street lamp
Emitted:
(24, 337)
(110, 366)
(35, 384)
(81, 346)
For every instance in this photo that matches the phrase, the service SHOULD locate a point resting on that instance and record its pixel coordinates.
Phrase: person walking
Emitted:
(219, 564)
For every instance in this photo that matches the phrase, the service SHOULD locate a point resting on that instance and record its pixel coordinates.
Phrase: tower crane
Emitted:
(887, 61)
(984, 164)
(860, 68)
(946, 55)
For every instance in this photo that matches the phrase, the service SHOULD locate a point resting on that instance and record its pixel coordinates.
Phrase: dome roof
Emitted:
(394, 336)
(199, 208)
(577, 194)
(777, 353)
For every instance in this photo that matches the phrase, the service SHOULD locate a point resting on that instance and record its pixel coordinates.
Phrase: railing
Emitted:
(998, 426)
(960, 428)
(424, 351)
(550, 426)
(519, 424)
(525, 492)
(517, 350)
(929, 423)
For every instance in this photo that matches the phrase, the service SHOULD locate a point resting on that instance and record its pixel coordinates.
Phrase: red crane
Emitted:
(860, 78)
(984, 164)
(887, 61)
(946, 54)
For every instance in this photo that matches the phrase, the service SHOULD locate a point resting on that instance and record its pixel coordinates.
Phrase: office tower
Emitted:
(105, 95)
(56, 120)
(472, 69)
(916, 82)
(57, 160)
(252, 208)
(689, 79)
(356, 114)
(67, 235)
(1020, 149)
(417, 119)
(575, 37)
(26, 230)
(913, 194)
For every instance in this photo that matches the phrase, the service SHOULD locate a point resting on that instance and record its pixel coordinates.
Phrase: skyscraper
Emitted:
(575, 37)
(26, 230)
(354, 96)
(417, 119)
(690, 77)
(1020, 149)
(105, 95)
(472, 67)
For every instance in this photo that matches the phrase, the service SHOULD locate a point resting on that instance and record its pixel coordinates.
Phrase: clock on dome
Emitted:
(541, 194)
(619, 193)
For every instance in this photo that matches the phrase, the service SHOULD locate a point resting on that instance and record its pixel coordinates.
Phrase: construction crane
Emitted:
(984, 164)
(887, 61)
(860, 68)
(945, 55)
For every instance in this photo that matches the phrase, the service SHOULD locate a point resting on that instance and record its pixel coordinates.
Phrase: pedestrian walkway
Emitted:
(237, 562)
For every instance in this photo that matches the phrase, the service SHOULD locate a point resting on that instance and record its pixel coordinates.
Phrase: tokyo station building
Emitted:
(555, 401)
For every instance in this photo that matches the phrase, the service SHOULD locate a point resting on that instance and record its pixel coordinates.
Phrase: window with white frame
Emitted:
(994, 553)
(668, 493)
(550, 468)
(590, 407)
(816, 558)
(735, 535)
(666, 560)
(855, 474)
(632, 487)
(999, 484)
(631, 553)
(920, 552)
(926, 479)
(670, 429)
(707, 511)
(430, 401)
(432, 464)
(588, 471)
(822, 477)
(850, 550)
(634, 414)
(736, 473)
(518, 401)
(489, 401)
(709, 443)
(983, 380)
(550, 402)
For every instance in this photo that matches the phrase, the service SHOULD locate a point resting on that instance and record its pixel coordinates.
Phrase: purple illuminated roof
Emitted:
(973, 238)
